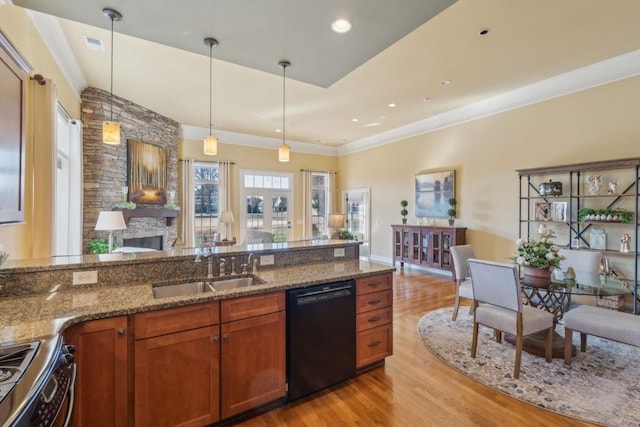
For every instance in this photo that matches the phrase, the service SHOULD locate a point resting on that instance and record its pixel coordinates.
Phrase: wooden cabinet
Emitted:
(102, 391)
(374, 319)
(426, 245)
(252, 352)
(608, 190)
(177, 366)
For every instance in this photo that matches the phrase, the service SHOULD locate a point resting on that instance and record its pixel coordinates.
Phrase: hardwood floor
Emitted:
(414, 388)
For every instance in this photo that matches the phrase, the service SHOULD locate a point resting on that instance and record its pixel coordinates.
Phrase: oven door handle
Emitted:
(72, 396)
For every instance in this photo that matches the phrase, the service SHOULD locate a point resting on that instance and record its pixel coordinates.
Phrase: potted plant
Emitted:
(404, 212)
(452, 210)
(100, 246)
(538, 257)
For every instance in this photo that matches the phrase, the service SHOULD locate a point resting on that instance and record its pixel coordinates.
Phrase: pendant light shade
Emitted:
(210, 141)
(210, 145)
(283, 150)
(111, 133)
(111, 129)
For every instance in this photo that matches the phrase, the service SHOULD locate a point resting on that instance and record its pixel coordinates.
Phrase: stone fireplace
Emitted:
(105, 166)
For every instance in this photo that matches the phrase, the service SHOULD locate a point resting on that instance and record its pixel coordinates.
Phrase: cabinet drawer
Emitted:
(369, 284)
(373, 301)
(374, 345)
(374, 318)
(254, 305)
(167, 321)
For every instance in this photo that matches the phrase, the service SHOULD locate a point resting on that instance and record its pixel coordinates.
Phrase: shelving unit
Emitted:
(562, 213)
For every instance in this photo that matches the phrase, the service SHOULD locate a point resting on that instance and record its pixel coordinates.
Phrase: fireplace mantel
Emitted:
(169, 214)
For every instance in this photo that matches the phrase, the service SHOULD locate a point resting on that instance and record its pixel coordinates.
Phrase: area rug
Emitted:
(601, 386)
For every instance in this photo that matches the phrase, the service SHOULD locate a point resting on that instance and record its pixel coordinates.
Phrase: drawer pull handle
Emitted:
(374, 302)
(121, 331)
(225, 337)
(374, 319)
(374, 284)
(216, 338)
(374, 344)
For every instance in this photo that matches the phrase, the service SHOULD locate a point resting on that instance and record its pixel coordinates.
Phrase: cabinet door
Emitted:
(177, 378)
(101, 384)
(253, 362)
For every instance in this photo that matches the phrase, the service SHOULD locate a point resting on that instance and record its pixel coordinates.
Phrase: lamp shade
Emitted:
(226, 217)
(111, 133)
(336, 220)
(211, 145)
(110, 220)
(283, 153)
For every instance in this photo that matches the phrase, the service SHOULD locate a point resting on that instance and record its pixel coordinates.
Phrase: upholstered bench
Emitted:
(610, 324)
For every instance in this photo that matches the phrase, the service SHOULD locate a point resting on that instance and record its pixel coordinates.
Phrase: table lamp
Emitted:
(110, 220)
(226, 217)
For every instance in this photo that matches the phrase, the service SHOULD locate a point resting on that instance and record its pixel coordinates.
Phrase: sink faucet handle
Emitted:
(233, 265)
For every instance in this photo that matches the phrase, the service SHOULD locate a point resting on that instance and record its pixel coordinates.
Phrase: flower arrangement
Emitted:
(542, 253)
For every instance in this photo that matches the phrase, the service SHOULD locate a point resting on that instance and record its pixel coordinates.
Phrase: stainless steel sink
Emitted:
(224, 284)
(199, 287)
(181, 289)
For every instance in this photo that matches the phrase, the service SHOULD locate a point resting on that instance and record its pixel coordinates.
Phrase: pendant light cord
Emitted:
(284, 69)
(210, 85)
(112, 19)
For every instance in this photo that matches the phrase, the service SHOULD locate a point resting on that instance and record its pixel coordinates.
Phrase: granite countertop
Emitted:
(42, 315)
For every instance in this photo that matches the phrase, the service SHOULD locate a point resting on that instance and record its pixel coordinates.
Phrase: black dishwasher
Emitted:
(321, 336)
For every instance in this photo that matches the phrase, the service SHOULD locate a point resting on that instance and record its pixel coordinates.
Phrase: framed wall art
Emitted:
(598, 239)
(433, 190)
(559, 211)
(147, 172)
(543, 211)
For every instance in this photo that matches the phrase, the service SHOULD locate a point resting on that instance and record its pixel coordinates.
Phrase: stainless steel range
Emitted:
(36, 383)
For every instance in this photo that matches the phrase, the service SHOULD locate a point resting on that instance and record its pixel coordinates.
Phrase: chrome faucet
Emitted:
(222, 268)
(249, 258)
(233, 266)
(209, 267)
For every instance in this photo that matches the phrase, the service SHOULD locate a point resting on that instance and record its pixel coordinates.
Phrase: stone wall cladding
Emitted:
(105, 166)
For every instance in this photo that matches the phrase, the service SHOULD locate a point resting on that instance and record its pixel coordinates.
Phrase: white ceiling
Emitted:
(163, 64)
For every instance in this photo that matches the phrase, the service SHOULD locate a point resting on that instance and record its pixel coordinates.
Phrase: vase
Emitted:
(404, 220)
(537, 277)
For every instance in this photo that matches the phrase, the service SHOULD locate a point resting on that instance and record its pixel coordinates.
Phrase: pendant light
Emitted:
(210, 141)
(111, 129)
(283, 150)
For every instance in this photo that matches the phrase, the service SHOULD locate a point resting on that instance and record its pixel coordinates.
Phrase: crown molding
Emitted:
(51, 33)
(594, 75)
(226, 137)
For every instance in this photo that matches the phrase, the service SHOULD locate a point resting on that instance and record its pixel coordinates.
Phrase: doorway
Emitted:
(356, 207)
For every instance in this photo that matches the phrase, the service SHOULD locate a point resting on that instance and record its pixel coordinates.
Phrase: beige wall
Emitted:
(16, 25)
(597, 124)
(260, 159)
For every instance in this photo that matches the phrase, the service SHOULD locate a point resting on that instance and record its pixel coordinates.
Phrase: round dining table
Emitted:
(556, 299)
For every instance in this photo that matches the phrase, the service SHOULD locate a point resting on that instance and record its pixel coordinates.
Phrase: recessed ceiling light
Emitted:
(392, 105)
(370, 125)
(427, 99)
(278, 130)
(354, 120)
(383, 116)
(341, 26)
(445, 83)
(483, 32)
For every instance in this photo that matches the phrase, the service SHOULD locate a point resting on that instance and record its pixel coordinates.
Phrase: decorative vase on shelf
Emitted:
(537, 277)
(404, 220)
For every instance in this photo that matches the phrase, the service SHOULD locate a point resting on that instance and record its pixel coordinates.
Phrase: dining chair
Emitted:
(498, 304)
(583, 261)
(460, 254)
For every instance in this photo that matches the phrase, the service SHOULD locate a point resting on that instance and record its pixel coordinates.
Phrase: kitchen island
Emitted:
(115, 352)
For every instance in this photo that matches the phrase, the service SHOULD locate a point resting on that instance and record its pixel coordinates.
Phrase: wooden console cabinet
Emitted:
(425, 245)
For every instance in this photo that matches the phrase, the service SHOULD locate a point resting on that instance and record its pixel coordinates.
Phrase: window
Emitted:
(319, 203)
(206, 191)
